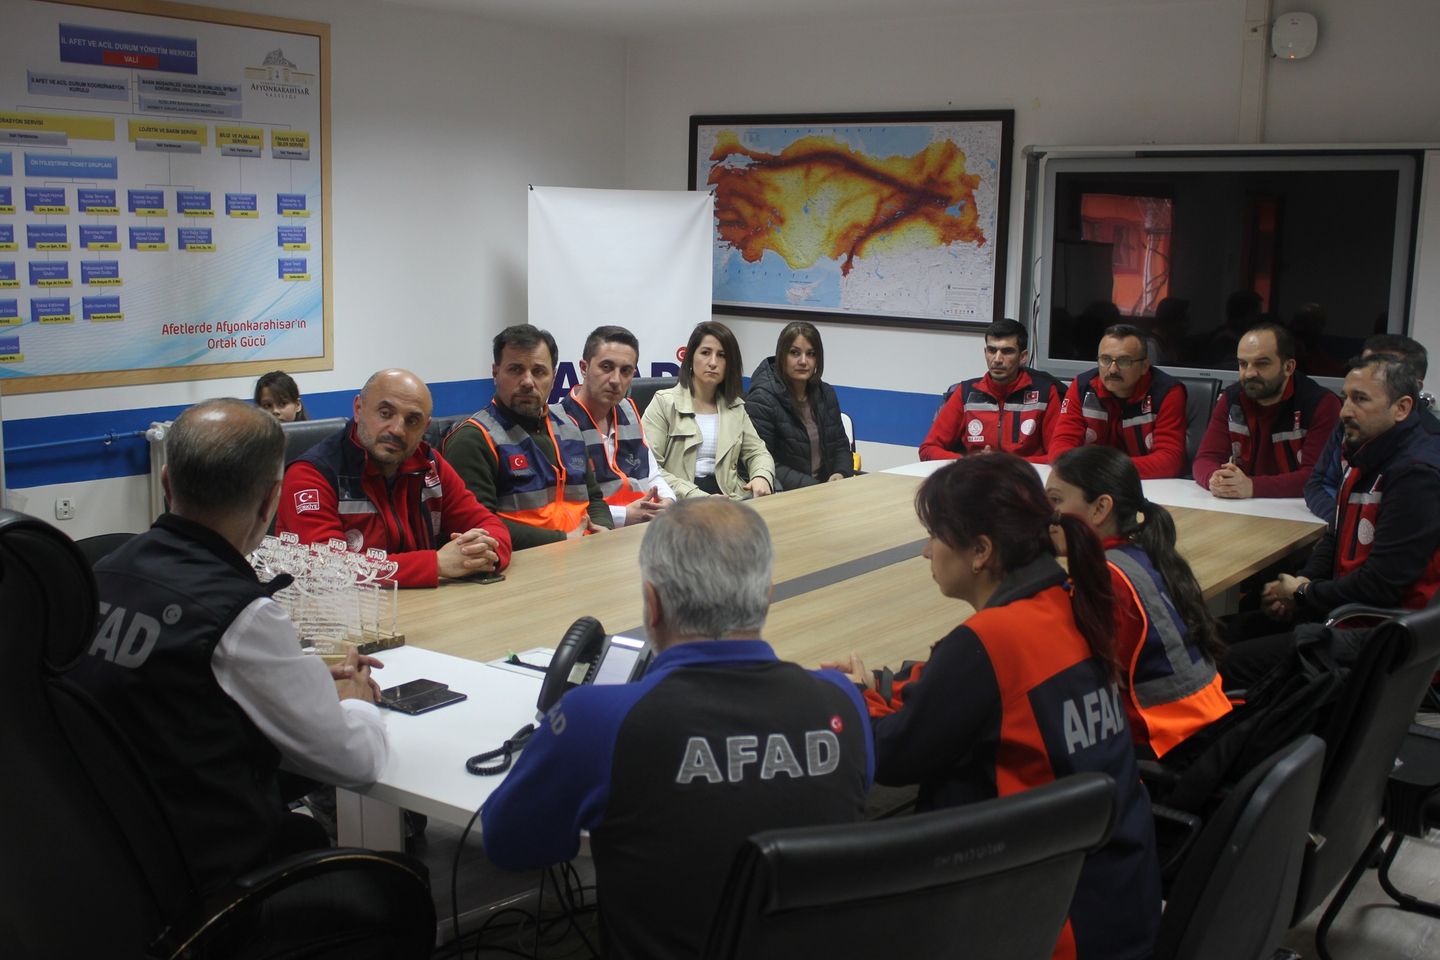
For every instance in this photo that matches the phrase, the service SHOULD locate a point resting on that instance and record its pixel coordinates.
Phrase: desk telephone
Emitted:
(585, 654)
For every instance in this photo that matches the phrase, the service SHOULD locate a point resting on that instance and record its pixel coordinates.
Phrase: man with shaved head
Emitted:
(377, 483)
(202, 670)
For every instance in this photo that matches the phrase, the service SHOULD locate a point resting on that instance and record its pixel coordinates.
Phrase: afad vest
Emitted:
(1013, 422)
(1127, 424)
(529, 489)
(632, 455)
(1174, 690)
(1357, 515)
(1293, 417)
(413, 510)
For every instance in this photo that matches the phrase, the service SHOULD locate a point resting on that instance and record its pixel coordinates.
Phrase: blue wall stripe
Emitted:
(880, 416)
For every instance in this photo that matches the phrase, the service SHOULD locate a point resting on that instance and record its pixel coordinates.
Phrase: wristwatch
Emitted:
(1300, 593)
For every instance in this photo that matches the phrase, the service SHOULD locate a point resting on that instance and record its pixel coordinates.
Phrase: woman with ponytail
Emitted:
(1165, 638)
(1023, 692)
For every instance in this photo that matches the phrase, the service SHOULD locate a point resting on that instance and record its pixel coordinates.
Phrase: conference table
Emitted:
(848, 577)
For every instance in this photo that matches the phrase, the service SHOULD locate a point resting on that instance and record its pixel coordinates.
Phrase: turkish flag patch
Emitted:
(1032, 396)
(837, 724)
(519, 461)
(307, 500)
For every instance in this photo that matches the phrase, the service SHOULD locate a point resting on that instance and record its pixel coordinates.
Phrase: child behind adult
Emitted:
(278, 393)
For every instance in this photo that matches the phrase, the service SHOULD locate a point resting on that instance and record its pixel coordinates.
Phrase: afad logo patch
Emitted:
(432, 479)
(307, 500)
(518, 461)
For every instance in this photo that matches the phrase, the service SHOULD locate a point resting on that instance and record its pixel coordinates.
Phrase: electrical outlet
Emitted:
(64, 509)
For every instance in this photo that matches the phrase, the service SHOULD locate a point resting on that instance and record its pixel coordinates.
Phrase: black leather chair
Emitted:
(92, 867)
(1200, 396)
(643, 388)
(1363, 735)
(1232, 898)
(991, 879)
(102, 545)
(440, 426)
(301, 435)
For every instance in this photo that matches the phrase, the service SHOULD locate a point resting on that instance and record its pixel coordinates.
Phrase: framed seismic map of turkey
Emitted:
(890, 218)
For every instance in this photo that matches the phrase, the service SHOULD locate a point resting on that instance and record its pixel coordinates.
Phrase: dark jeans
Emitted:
(1256, 645)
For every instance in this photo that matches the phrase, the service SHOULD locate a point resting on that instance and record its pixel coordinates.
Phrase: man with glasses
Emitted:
(1126, 404)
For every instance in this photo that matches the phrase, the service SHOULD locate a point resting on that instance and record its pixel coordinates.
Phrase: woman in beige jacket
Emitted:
(701, 435)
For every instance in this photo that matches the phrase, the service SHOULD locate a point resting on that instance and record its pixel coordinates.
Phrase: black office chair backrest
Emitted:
(992, 879)
(1200, 396)
(440, 426)
(301, 435)
(102, 545)
(1233, 897)
(643, 388)
(1362, 738)
(94, 868)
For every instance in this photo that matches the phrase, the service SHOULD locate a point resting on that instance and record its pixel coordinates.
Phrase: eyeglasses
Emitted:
(1123, 363)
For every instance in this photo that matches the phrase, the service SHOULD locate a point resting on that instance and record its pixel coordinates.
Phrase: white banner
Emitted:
(637, 258)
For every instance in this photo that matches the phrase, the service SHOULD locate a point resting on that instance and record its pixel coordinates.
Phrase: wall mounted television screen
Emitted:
(1192, 249)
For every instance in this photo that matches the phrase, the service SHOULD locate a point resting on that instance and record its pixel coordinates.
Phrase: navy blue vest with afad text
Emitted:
(166, 599)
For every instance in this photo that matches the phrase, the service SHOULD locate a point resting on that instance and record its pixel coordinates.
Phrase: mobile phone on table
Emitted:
(425, 702)
(414, 688)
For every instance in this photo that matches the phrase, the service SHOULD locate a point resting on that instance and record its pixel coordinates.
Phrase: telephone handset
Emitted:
(579, 647)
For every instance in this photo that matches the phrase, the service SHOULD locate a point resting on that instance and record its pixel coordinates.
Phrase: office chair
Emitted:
(101, 545)
(1363, 734)
(1201, 393)
(301, 435)
(987, 880)
(94, 868)
(440, 426)
(1232, 898)
(643, 388)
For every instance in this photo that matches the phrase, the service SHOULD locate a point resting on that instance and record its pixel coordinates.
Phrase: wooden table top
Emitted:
(821, 533)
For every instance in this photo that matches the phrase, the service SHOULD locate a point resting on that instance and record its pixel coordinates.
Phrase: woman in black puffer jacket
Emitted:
(797, 414)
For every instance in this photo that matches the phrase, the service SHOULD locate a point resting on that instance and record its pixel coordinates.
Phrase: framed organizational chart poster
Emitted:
(164, 194)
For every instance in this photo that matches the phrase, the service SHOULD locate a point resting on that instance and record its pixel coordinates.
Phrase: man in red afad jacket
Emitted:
(1125, 403)
(1268, 428)
(376, 483)
(1012, 408)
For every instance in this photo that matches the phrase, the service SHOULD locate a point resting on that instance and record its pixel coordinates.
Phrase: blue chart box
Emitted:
(7, 237)
(192, 201)
(89, 200)
(9, 345)
(6, 197)
(46, 236)
(9, 310)
(100, 308)
(43, 199)
(102, 237)
(147, 238)
(100, 272)
(289, 202)
(69, 165)
(292, 266)
(286, 236)
(125, 48)
(50, 310)
(7, 272)
(49, 273)
(7, 165)
(146, 200)
(195, 237)
(241, 205)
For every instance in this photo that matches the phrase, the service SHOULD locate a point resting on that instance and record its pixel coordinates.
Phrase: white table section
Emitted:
(1180, 492)
(426, 768)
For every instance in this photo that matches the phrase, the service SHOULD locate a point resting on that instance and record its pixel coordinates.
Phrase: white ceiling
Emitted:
(636, 18)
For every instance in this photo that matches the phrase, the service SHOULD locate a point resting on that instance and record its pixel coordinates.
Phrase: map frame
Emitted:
(703, 127)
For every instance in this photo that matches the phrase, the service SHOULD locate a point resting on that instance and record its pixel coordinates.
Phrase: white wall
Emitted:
(1076, 72)
(438, 123)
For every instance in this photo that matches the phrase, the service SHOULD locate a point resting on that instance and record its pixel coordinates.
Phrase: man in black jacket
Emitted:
(797, 414)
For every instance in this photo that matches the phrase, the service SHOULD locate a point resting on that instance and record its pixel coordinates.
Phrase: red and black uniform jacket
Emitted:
(1013, 699)
(333, 491)
(1017, 417)
(1382, 548)
(1278, 445)
(1149, 425)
